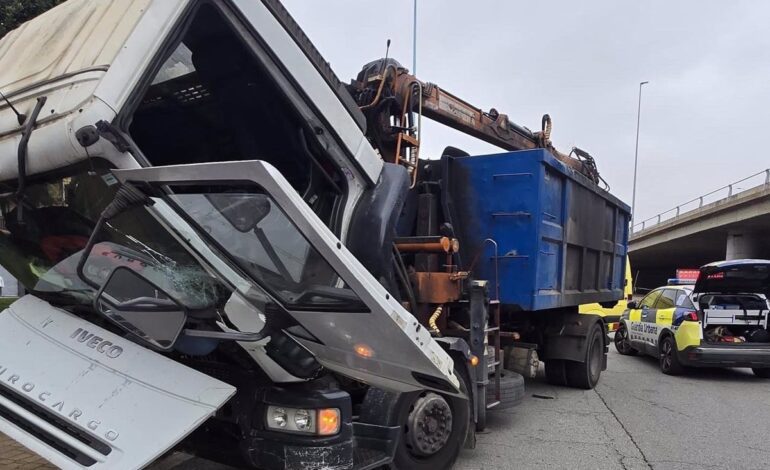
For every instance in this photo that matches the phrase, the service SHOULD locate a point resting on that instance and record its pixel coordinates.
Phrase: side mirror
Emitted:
(244, 211)
(141, 308)
(632, 304)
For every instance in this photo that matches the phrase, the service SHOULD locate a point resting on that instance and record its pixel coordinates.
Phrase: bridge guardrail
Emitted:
(707, 198)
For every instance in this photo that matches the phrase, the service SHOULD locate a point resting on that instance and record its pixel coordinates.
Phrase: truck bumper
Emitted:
(358, 446)
(755, 355)
(369, 447)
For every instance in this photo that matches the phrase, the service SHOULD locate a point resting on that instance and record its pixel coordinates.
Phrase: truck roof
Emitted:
(64, 55)
(76, 36)
(87, 56)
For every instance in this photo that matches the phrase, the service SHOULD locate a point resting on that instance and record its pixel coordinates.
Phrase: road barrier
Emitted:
(707, 198)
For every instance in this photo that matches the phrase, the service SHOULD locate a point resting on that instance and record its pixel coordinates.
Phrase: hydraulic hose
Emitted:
(434, 318)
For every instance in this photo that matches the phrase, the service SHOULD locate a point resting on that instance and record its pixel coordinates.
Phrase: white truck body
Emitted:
(110, 403)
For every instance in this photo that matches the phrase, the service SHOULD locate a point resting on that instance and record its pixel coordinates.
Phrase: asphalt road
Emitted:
(637, 418)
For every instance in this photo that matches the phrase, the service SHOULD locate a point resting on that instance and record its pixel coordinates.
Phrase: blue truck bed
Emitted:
(561, 241)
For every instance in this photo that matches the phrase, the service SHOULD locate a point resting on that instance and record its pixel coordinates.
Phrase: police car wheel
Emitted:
(586, 374)
(623, 342)
(669, 360)
(763, 373)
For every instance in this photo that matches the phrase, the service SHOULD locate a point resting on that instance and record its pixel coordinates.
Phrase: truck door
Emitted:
(250, 214)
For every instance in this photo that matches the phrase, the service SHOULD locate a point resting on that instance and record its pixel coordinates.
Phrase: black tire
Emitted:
(622, 341)
(556, 372)
(586, 374)
(406, 458)
(667, 356)
(511, 390)
(763, 373)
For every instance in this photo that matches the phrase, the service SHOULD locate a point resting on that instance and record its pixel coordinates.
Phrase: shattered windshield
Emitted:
(248, 225)
(42, 249)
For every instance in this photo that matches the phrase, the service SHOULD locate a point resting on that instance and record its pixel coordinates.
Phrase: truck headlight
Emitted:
(278, 418)
(304, 421)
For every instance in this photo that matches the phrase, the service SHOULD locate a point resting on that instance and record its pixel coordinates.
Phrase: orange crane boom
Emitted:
(394, 101)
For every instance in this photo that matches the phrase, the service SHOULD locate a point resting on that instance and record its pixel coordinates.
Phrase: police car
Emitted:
(720, 320)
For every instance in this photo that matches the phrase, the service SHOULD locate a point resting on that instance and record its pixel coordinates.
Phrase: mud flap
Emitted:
(565, 337)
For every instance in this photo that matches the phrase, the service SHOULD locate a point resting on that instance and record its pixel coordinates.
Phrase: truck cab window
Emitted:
(61, 210)
(212, 100)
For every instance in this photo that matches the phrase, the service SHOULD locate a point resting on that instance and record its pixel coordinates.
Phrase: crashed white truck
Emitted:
(160, 296)
(229, 252)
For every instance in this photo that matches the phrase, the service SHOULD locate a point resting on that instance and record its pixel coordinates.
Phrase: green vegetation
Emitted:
(15, 12)
(6, 301)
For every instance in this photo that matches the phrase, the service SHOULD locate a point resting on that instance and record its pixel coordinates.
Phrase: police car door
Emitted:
(637, 320)
(664, 314)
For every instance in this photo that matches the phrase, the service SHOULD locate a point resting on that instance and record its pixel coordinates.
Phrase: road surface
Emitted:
(637, 418)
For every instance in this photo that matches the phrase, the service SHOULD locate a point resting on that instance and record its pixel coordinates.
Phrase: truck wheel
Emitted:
(623, 342)
(669, 360)
(556, 372)
(764, 373)
(434, 427)
(511, 391)
(586, 374)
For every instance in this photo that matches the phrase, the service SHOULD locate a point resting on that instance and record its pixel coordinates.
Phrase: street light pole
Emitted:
(414, 40)
(636, 153)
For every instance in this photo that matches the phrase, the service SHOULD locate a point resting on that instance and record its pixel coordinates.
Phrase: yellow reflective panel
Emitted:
(664, 316)
(688, 334)
(635, 315)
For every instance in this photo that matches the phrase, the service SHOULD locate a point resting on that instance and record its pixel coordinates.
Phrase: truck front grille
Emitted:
(50, 438)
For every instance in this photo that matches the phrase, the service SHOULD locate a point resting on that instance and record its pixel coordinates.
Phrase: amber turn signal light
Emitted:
(328, 421)
(364, 350)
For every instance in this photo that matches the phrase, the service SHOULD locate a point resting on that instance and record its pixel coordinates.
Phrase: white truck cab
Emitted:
(177, 180)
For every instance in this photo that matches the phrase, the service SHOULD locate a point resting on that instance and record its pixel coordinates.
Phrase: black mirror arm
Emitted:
(127, 196)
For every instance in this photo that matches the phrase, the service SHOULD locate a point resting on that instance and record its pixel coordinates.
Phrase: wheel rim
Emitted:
(621, 339)
(429, 425)
(665, 354)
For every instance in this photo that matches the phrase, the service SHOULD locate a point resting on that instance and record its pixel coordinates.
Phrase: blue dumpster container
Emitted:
(561, 240)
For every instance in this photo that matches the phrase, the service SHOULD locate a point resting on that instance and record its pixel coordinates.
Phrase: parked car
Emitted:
(720, 321)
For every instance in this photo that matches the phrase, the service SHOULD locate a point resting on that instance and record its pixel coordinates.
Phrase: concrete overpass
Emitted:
(735, 225)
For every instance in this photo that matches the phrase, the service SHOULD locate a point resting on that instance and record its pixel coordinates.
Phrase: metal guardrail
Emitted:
(676, 212)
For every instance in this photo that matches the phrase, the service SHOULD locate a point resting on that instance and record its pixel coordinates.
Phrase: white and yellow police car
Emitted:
(719, 321)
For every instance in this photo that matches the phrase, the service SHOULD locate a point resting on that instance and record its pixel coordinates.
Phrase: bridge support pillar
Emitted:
(742, 244)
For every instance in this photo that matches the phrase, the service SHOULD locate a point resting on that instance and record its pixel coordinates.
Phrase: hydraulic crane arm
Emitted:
(394, 102)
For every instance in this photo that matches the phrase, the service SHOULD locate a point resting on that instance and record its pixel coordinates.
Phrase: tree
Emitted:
(15, 12)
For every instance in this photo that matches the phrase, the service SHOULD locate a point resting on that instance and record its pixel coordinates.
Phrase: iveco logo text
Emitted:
(97, 342)
(52, 402)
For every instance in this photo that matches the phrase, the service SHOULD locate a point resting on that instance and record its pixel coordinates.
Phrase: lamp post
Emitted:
(414, 40)
(636, 153)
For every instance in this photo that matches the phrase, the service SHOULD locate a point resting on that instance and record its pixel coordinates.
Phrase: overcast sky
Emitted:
(705, 112)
